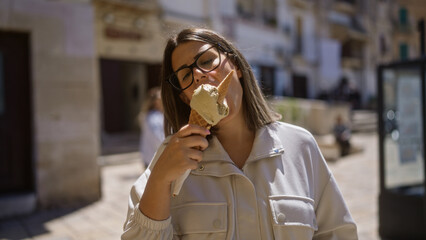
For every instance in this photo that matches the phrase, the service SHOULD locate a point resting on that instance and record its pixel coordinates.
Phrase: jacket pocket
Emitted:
(200, 220)
(293, 217)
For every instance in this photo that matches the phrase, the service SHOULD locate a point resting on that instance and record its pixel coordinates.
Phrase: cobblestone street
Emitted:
(357, 176)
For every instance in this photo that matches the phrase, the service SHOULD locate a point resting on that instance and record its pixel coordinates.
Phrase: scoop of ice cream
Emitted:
(204, 101)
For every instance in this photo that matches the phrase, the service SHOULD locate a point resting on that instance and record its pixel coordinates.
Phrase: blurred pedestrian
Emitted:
(152, 125)
(342, 135)
(347, 92)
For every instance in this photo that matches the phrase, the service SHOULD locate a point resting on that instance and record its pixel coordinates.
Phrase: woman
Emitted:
(152, 127)
(251, 178)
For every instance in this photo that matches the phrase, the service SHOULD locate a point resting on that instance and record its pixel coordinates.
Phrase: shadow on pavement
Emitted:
(34, 224)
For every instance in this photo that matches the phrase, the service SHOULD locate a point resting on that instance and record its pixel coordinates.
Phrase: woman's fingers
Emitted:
(195, 155)
(197, 142)
(193, 136)
(183, 152)
(191, 129)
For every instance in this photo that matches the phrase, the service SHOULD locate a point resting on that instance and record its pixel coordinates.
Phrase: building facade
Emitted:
(49, 115)
(405, 22)
(304, 48)
(297, 48)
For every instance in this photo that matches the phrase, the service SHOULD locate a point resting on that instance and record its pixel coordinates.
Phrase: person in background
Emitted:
(347, 92)
(342, 135)
(253, 177)
(152, 125)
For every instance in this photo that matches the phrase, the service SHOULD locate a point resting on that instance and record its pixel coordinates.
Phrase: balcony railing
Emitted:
(402, 28)
(300, 3)
(345, 6)
(353, 2)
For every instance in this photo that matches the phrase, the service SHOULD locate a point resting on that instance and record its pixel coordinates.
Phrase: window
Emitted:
(403, 51)
(403, 17)
(269, 12)
(267, 79)
(300, 86)
(383, 46)
(262, 11)
(352, 49)
(245, 8)
(298, 38)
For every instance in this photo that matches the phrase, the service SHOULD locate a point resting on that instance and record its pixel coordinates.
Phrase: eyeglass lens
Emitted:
(206, 62)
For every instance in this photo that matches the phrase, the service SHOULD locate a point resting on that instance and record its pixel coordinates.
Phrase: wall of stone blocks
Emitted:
(66, 97)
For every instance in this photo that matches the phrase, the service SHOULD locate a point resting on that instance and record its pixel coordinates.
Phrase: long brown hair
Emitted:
(176, 113)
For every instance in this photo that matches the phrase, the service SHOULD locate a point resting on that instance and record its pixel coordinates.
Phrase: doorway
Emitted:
(124, 87)
(267, 77)
(300, 86)
(16, 134)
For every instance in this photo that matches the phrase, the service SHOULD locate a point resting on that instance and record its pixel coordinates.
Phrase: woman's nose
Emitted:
(199, 76)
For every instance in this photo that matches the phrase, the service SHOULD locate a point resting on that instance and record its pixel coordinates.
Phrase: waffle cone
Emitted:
(224, 86)
(195, 118)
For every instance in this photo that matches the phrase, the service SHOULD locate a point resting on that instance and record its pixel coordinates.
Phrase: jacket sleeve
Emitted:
(137, 225)
(332, 215)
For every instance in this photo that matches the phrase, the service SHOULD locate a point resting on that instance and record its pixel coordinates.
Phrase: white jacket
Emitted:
(284, 191)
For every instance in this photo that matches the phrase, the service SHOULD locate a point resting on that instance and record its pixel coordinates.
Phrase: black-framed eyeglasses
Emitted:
(206, 61)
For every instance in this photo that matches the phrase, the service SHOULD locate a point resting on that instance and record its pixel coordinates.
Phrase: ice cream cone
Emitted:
(195, 118)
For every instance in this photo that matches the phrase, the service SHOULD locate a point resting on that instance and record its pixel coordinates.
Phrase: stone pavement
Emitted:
(100, 220)
(357, 176)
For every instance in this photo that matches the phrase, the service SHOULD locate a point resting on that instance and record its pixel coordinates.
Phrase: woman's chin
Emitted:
(223, 122)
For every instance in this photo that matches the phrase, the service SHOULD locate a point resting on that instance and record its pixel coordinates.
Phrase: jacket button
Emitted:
(201, 167)
(217, 223)
(281, 218)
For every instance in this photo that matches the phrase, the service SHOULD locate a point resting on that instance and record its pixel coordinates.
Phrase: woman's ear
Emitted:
(184, 98)
(239, 73)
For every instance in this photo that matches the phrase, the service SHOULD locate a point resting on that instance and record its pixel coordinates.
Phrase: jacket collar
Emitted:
(266, 144)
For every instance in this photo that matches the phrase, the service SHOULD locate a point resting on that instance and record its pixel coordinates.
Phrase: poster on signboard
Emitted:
(410, 124)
